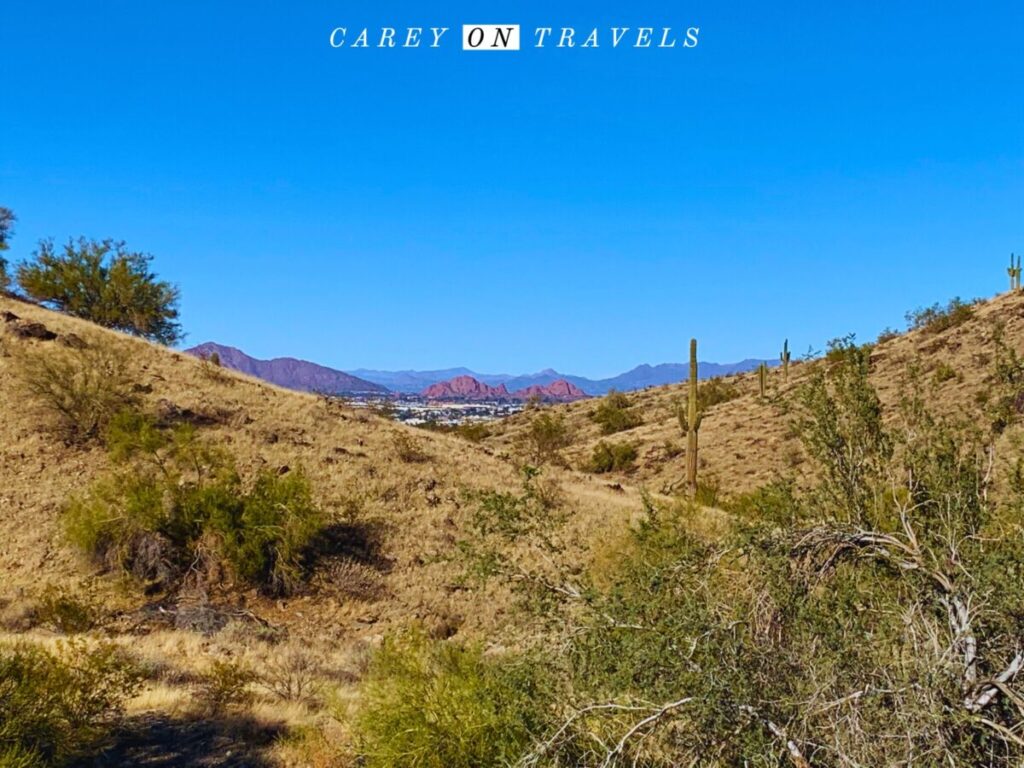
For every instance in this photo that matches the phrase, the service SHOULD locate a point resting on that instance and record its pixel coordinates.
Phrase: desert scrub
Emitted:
(938, 318)
(713, 392)
(66, 611)
(439, 704)
(225, 686)
(59, 705)
(611, 457)
(615, 413)
(176, 506)
(547, 434)
(76, 391)
(409, 450)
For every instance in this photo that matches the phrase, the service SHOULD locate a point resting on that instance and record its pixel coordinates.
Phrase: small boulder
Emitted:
(33, 331)
(73, 341)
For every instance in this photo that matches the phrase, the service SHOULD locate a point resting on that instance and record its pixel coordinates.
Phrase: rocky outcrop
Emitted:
(466, 388)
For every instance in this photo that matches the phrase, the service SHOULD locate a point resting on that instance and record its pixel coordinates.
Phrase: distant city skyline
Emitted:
(807, 171)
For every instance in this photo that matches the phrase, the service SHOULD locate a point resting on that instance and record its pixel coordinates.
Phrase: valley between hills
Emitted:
(541, 589)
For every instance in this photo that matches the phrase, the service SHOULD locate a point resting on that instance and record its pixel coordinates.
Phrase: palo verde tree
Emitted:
(7, 219)
(105, 283)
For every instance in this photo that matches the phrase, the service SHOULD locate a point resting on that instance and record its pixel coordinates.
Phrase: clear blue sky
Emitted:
(808, 170)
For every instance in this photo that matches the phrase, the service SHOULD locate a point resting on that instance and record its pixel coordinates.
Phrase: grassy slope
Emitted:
(748, 441)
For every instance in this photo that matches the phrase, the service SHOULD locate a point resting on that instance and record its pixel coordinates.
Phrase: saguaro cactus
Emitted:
(784, 359)
(693, 419)
(1014, 272)
(762, 377)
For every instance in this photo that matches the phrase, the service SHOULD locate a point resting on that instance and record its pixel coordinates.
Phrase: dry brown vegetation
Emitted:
(419, 523)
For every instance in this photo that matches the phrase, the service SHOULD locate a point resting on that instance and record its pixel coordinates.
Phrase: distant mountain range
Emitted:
(289, 372)
(302, 375)
(468, 388)
(637, 378)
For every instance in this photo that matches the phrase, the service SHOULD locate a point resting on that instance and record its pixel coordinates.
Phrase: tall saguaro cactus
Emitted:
(1014, 272)
(693, 419)
(762, 378)
(784, 359)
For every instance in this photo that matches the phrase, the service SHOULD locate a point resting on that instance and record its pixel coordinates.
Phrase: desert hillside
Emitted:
(439, 533)
(748, 441)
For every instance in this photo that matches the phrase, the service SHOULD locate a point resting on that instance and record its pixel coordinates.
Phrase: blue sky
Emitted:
(806, 171)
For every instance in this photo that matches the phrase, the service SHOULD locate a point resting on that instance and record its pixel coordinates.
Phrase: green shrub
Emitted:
(55, 706)
(438, 704)
(615, 414)
(944, 372)
(887, 334)
(177, 506)
(65, 611)
(106, 284)
(841, 428)
(548, 434)
(715, 391)
(77, 392)
(5, 283)
(226, 685)
(612, 457)
(936, 318)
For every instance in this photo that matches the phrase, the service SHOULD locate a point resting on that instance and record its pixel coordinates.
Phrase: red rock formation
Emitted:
(468, 388)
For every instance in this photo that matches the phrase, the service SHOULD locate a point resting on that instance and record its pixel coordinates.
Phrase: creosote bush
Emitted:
(76, 391)
(440, 704)
(65, 611)
(56, 706)
(936, 318)
(612, 457)
(177, 507)
(225, 686)
(615, 413)
(548, 434)
(106, 284)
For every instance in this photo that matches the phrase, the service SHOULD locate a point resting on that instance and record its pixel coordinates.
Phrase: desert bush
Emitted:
(938, 318)
(408, 449)
(887, 334)
(474, 431)
(292, 674)
(175, 505)
(439, 704)
(615, 413)
(65, 611)
(5, 283)
(612, 457)
(547, 435)
(841, 428)
(943, 372)
(77, 392)
(715, 391)
(774, 503)
(60, 705)
(225, 686)
(106, 284)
